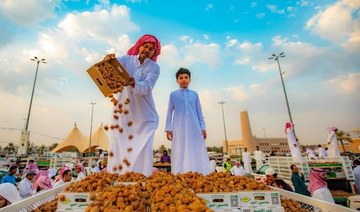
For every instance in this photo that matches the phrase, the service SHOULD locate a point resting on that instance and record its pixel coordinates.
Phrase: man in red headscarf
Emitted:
(318, 186)
(131, 147)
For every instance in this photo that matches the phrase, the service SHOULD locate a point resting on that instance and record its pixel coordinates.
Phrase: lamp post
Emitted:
(24, 139)
(38, 61)
(92, 115)
(264, 133)
(226, 141)
(276, 58)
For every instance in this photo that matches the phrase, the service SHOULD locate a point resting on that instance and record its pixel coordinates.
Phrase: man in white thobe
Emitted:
(259, 158)
(357, 175)
(321, 152)
(65, 178)
(25, 186)
(292, 142)
(246, 158)
(333, 143)
(237, 170)
(212, 164)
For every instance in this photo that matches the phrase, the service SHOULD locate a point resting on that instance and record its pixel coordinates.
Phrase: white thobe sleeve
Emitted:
(200, 114)
(168, 125)
(232, 170)
(144, 87)
(24, 191)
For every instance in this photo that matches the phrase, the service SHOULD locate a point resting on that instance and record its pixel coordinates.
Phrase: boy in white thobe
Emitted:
(185, 127)
(259, 158)
(246, 158)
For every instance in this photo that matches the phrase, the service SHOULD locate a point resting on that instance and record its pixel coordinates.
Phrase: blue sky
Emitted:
(226, 45)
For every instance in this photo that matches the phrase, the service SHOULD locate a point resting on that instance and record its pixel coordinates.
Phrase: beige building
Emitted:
(250, 141)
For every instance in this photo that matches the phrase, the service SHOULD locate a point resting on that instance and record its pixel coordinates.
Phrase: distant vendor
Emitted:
(165, 157)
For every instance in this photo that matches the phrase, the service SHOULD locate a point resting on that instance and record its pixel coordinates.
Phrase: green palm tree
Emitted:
(41, 149)
(343, 136)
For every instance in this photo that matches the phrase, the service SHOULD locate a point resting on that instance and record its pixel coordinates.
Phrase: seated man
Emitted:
(279, 183)
(271, 176)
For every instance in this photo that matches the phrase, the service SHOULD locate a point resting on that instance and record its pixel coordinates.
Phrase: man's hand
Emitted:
(169, 135)
(130, 82)
(109, 56)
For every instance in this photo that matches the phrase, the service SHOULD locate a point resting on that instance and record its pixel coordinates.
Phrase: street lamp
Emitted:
(24, 140)
(277, 57)
(92, 115)
(38, 61)
(264, 133)
(226, 141)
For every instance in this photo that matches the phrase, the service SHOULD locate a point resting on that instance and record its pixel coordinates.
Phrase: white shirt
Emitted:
(321, 152)
(246, 157)
(310, 153)
(102, 156)
(59, 183)
(237, 171)
(80, 176)
(95, 169)
(259, 155)
(213, 165)
(357, 177)
(25, 188)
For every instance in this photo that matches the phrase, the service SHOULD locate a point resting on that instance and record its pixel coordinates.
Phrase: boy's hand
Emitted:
(169, 135)
(204, 134)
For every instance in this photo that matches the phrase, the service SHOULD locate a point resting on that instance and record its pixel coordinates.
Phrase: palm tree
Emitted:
(162, 148)
(343, 136)
(10, 148)
(53, 146)
(41, 149)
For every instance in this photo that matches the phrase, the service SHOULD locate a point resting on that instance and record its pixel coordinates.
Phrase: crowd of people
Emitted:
(34, 180)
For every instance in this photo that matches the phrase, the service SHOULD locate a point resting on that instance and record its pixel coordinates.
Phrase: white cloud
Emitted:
(341, 30)
(206, 36)
(274, 9)
(29, 12)
(303, 3)
(208, 54)
(102, 26)
(209, 7)
(260, 15)
(347, 84)
(238, 93)
(278, 40)
(253, 4)
(231, 42)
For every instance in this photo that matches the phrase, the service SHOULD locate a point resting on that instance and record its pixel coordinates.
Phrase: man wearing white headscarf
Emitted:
(8, 194)
(292, 142)
(333, 143)
(246, 158)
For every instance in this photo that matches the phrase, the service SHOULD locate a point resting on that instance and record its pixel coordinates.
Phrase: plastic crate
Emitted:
(35, 201)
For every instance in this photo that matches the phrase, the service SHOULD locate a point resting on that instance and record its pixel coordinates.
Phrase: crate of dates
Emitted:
(109, 76)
